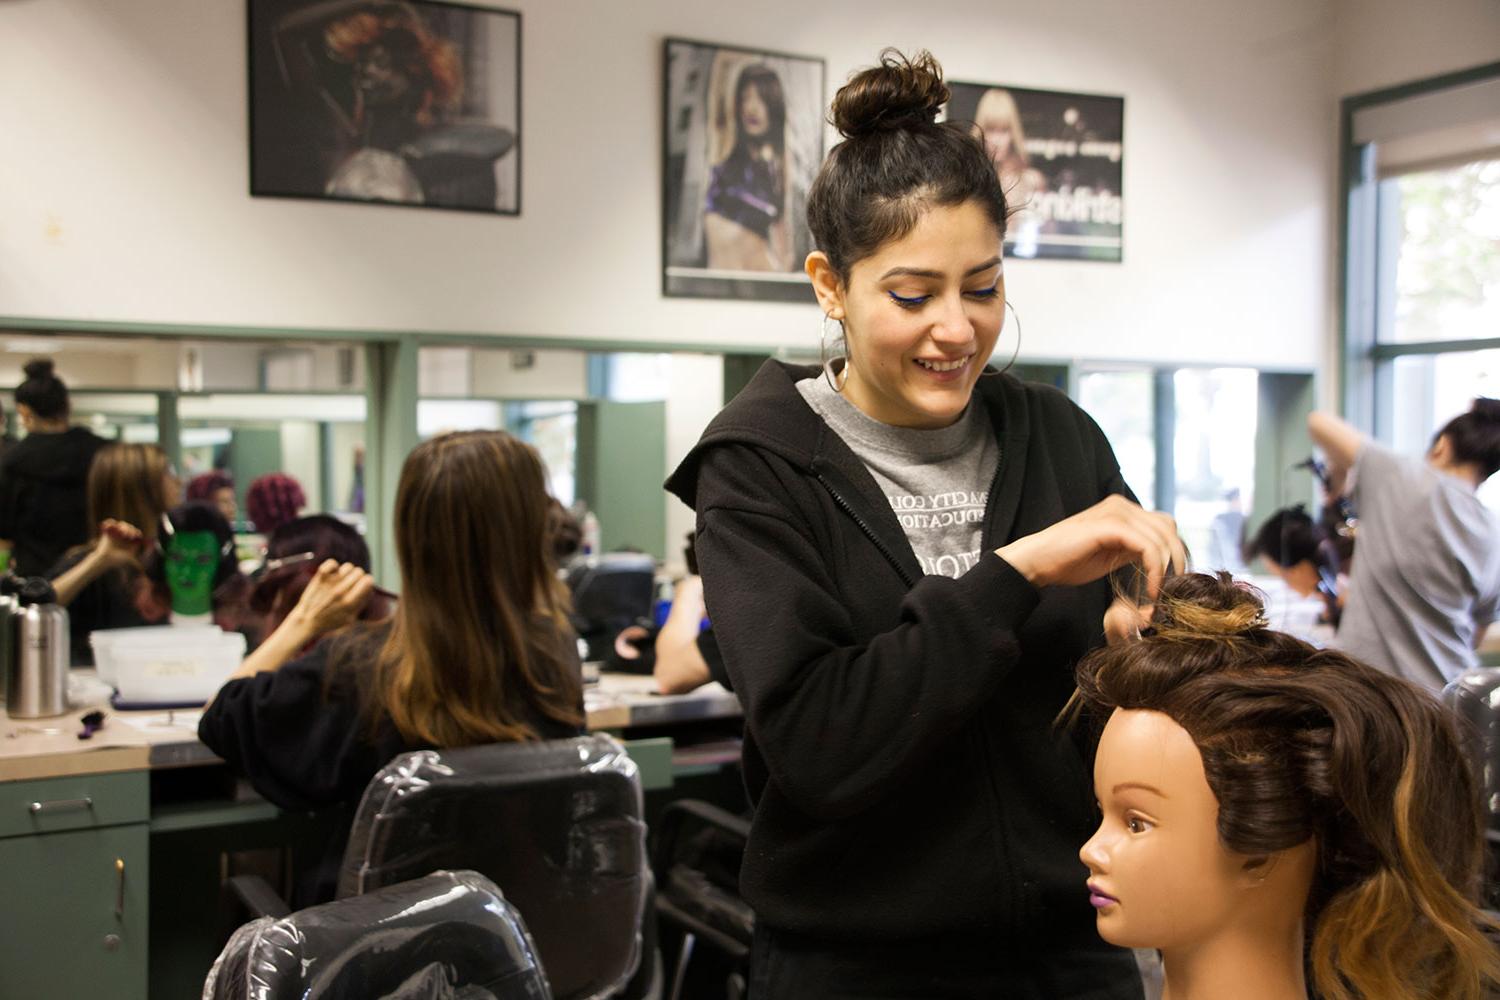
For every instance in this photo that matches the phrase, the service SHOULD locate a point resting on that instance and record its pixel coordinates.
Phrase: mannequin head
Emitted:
(1157, 853)
(198, 560)
(218, 489)
(1295, 795)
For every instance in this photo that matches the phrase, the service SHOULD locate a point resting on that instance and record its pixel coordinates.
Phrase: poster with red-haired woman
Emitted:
(404, 103)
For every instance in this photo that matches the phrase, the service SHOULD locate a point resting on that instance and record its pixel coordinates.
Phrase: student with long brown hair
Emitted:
(479, 650)
(1274, 814)
(103, 583)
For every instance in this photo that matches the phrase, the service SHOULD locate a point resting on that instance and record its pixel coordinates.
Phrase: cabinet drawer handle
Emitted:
(119, 888)
(87, 802)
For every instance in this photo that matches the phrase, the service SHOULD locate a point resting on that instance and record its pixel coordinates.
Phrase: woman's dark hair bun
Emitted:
(39, 368)
(898, 93)
(1486, 408)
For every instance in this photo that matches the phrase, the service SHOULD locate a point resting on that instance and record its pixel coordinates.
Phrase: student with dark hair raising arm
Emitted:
(903, 560)
(1426, 581)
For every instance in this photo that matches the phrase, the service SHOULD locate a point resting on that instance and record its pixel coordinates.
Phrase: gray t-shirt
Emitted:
(1426, 569)
(937, 481)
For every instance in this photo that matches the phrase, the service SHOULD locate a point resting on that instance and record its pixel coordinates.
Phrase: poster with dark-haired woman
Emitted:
(1059, 159)
(403, 103)
(743, 141)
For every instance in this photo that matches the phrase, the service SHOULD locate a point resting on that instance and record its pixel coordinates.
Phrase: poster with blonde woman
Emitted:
(1058, 157)
(743, 140)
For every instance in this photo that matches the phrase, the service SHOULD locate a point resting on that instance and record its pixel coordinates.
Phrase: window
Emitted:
(1422, 260)
(1122, 403)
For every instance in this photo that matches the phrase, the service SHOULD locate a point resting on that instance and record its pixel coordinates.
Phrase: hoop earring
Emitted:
(828, 373)
(1015, 353)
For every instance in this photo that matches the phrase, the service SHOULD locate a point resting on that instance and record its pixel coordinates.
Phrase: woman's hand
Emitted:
(624, 647)
(1092, 543)
(119, 544)
(332, 599)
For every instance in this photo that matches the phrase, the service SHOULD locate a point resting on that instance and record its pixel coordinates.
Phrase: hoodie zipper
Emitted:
(848, 508)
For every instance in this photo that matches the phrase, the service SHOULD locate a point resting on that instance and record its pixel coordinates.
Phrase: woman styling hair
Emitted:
(43, 506)
(103, 582)
(479, 650)
(1274, 813)
(903, 563)
(1426, 583)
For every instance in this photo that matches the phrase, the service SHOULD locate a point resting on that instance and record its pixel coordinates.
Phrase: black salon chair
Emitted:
(696, 855)
(450, 934)
(556, 824)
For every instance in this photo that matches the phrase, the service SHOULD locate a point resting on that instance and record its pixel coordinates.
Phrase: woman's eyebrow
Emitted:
(918, 272)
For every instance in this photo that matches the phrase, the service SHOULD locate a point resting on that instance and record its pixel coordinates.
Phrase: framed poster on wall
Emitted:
(743, 140)
(402, 103)
(1059, 157)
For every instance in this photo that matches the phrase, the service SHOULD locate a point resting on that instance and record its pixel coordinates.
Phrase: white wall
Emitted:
(124, 188)
(1383, 43)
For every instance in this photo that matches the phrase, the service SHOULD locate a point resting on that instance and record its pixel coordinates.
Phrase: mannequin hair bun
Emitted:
(39, 368)
(1201, 606)
(898, 93)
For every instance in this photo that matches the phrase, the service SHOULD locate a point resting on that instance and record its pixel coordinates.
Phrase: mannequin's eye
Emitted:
(1136, 825)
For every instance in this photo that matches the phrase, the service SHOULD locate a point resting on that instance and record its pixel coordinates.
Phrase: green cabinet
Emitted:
(74, 888)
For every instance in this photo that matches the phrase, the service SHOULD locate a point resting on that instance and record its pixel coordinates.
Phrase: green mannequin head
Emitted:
(192, 558)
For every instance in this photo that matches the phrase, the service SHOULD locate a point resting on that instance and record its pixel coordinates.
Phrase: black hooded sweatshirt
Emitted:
(43, 506)
(907, 777)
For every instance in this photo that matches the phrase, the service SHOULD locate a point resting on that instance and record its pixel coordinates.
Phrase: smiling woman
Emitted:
(878, 539)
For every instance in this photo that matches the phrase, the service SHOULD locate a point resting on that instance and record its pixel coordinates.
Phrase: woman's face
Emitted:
(224, 500)
(171, 487)
(921, 316)
(755, 116)
(1158, 875)
(1301, 577)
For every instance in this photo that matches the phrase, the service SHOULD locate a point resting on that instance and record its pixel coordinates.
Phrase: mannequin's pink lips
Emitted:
(1100, 899)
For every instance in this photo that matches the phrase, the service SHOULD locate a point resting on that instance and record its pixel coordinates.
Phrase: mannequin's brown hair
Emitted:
(1300, 743)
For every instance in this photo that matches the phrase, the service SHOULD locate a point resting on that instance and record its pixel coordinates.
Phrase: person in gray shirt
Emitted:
(1426, 580)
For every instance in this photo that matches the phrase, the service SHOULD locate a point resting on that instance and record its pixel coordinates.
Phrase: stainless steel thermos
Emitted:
(35, 650)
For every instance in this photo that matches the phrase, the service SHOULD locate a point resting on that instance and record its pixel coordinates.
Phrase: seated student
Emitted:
(479, 650)
(103, 582)
(1300, 551)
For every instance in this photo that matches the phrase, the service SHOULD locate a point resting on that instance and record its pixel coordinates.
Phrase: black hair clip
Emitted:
(92, 723)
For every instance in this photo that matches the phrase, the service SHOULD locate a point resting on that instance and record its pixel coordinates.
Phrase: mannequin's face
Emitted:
(192, 557)
(1158, 875)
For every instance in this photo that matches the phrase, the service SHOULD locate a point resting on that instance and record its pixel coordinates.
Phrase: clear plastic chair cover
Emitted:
(557, 825)
(449, 935)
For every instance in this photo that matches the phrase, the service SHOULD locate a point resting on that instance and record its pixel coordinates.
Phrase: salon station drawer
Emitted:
(74, 803)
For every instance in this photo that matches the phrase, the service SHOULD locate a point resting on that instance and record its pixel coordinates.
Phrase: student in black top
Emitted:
(903, 561)
(479, 649)
(42, 512)
(103, 583)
